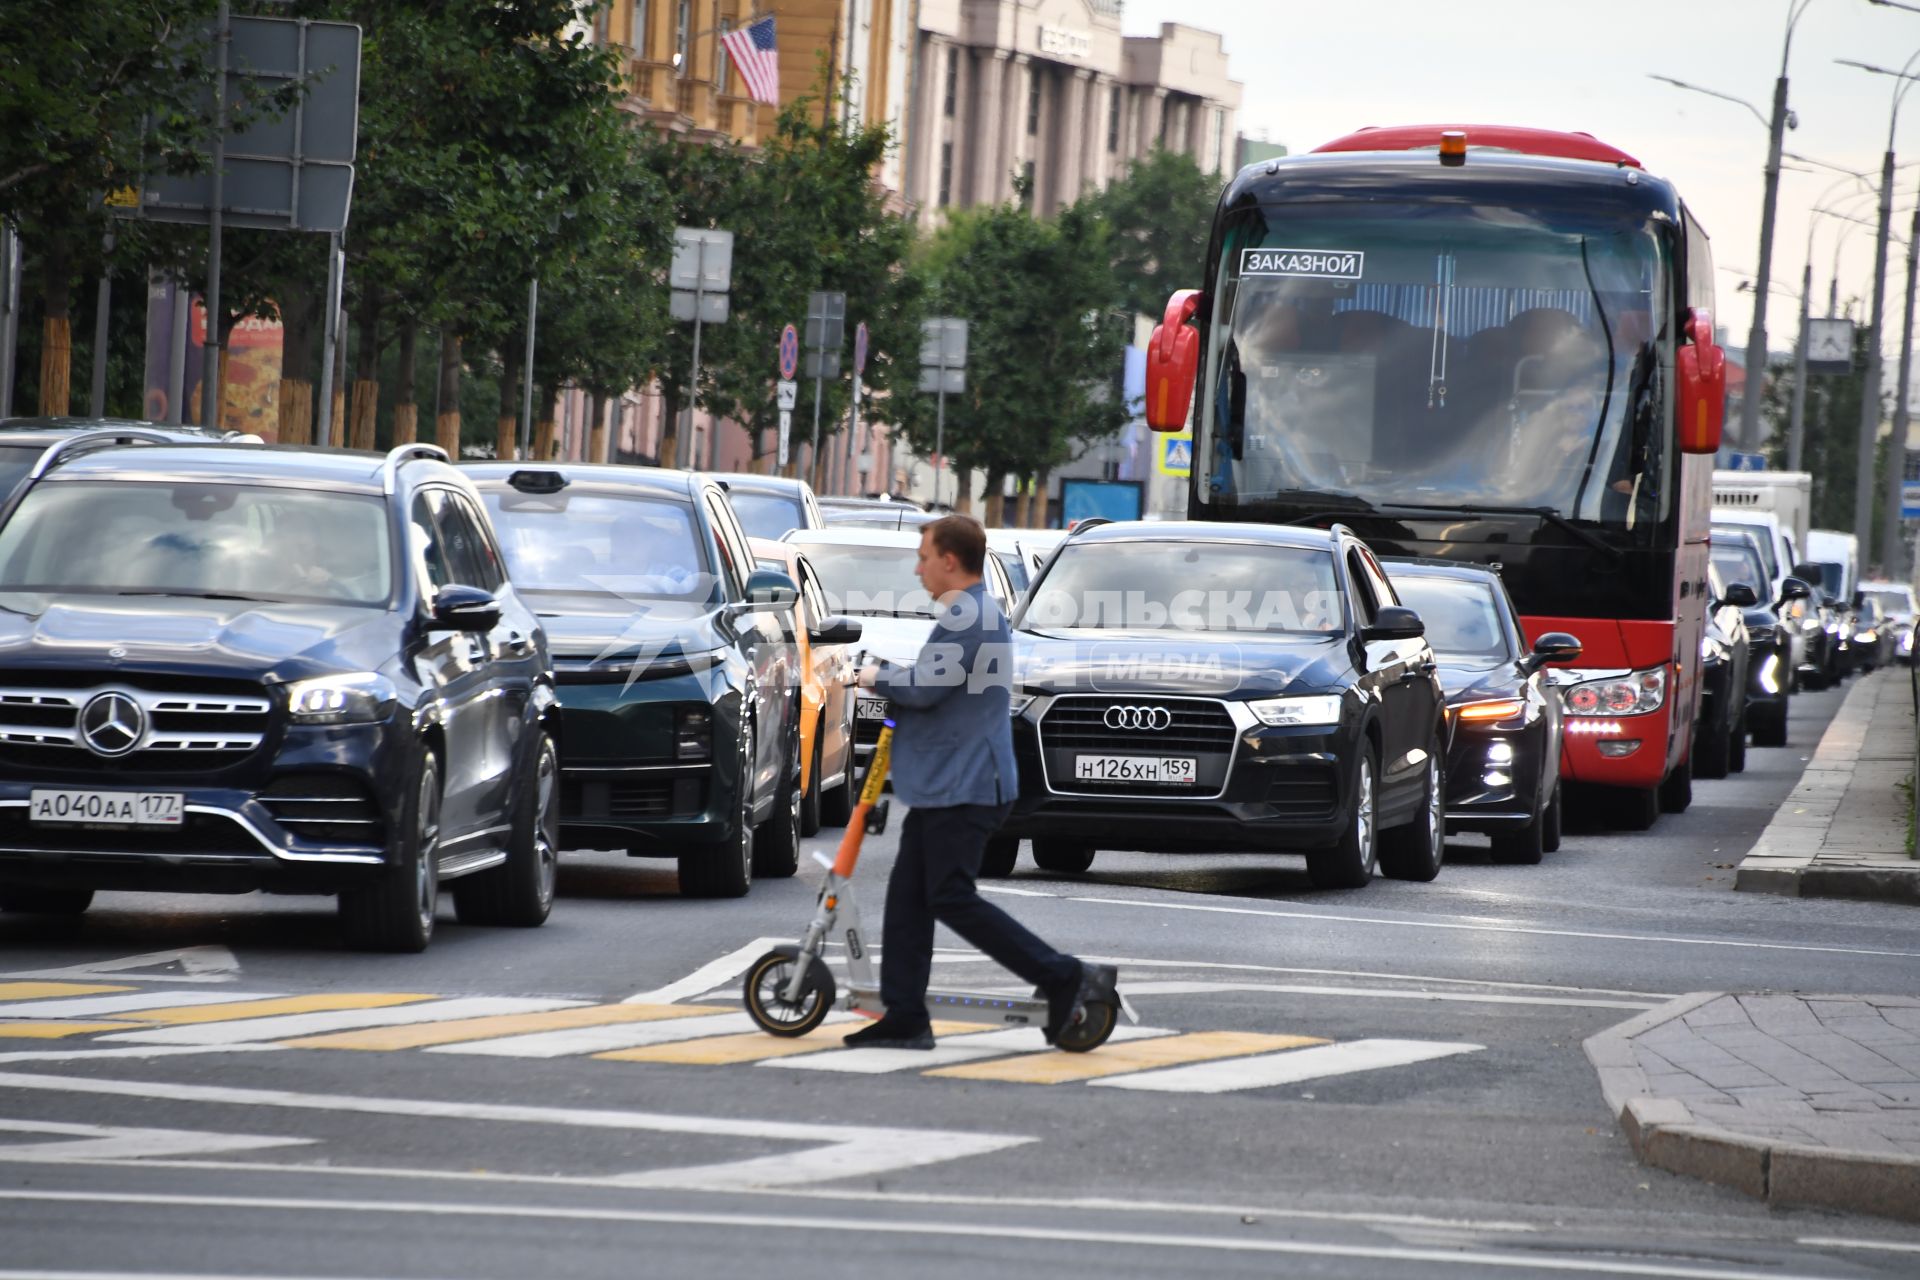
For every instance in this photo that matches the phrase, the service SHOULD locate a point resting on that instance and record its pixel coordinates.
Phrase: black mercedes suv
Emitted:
(234, 667)
(1225, 687)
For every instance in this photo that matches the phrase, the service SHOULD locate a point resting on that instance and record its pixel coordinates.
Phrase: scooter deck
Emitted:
(964, 1006)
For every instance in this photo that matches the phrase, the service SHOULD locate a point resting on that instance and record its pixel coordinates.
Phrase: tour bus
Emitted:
(1487, 344)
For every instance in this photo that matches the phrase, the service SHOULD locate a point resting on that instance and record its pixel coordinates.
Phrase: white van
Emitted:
(1777, 547)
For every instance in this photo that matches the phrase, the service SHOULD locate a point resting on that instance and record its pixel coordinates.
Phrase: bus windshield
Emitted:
(1437, 355)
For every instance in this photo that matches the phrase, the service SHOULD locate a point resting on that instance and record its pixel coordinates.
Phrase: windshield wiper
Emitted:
(1546, 515)
(201, 595)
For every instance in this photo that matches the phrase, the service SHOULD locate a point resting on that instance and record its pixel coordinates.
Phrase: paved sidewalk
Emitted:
(1793, 1099)
(1842, 833)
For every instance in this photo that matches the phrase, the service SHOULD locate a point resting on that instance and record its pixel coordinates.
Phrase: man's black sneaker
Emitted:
(1065, 1006)
(889, 1034)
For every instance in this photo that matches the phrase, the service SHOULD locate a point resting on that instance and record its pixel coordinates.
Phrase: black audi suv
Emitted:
(237, 667)
(1225, 687)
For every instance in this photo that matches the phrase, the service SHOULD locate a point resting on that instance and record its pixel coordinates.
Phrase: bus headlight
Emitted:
(1633, 694)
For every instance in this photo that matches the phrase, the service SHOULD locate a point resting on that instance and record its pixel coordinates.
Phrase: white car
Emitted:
(868, 574)
(1021, 552)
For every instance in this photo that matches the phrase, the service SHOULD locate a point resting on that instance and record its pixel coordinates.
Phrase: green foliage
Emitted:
(1832, 447)
(1158, 216)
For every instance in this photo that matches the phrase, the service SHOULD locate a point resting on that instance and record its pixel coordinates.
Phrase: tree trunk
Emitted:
(596, 450)
(505, 440)
(960, 480)
(337, 431)
(996, 510)
(1023, 505)
(56, 342)
(366, 376)
(670, 427)
(543, 433)
(406, 413)
(299, 316)
(446, 426)
(1040, 500)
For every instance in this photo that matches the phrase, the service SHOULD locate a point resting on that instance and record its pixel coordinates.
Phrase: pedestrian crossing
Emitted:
(709, 1034)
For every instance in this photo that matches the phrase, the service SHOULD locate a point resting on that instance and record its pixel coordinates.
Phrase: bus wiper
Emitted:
(1546, 515)
(199, 595)
(1324, 503)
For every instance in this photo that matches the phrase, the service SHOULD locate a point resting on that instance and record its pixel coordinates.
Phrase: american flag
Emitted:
(753, 54)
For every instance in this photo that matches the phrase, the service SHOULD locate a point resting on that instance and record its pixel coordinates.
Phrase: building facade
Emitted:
(1052, 92)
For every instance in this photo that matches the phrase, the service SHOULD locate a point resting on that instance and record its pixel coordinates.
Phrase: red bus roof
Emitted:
(1505, 137)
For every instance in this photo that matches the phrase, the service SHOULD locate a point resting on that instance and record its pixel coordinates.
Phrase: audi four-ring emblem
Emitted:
(1138, 718)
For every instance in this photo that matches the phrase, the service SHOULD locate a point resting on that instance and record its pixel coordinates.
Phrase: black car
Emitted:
(679, 693)
(24, 442)
(1771, 637)
(1213, 687)
(237, 667)
(770, 506)
(1720, 732)
(1503, 767)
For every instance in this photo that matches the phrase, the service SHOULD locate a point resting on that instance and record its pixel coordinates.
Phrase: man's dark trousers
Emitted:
(940, 852)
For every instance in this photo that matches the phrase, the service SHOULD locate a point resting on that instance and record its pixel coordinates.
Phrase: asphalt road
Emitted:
(1386, 1083)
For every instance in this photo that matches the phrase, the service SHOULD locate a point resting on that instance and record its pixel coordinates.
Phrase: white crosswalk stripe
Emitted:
(260, 1030)
(961, 1048)
(590, 1040)
(1291, 1067)
(103, 1006)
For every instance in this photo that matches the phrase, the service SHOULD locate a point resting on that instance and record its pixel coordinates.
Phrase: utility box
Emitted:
(1786, 495)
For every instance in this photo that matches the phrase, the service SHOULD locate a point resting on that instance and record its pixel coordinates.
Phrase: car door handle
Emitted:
(1421, 672)
(518, 644)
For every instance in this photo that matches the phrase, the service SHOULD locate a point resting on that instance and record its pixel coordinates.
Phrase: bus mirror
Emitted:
(1702, 368)
(1173, 363)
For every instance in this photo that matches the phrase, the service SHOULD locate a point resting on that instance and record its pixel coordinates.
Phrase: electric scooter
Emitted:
(791, 990)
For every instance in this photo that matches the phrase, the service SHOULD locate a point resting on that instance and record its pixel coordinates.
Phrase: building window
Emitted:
(946, 174)
(683, 36)
(1033, 103)
(722, 64)
(1113, 120)
(953, 79)
(638, 37)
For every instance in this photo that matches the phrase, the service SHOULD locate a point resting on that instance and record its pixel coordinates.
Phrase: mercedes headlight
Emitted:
(1293, 713)
(361, 697)
(1711, 650)
(1633, 694)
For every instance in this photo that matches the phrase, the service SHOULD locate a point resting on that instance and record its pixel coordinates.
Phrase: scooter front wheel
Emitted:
(1096, 1023)
(766, 994)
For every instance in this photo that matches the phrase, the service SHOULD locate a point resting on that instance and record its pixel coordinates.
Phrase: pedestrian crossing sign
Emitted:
(1176, 455)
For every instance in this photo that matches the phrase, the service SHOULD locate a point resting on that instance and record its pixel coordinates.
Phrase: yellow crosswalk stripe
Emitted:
(756, 1046)
(36, 990)
(1126, 1056)
(422, 1035)
(52, 1030)
(182, 1015)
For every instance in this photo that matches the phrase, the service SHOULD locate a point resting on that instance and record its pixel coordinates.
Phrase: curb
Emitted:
(1785, 860)
(1665, 1134)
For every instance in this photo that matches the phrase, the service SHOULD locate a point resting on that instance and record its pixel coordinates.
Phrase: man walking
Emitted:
(953, 765)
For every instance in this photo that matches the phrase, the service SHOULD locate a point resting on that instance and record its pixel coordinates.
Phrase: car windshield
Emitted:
(1439, 354)
(870, 582)
(1016, 570)
(600, 544)
(767, 515)
(1463, 618)
(1832, 577)
(1738, 563)
(1896, 603)
(1174, 586)
(155, 537)
(15, 462)
(1756, 536)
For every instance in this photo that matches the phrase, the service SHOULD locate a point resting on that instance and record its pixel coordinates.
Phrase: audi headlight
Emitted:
(1293, 713)
(357, 698)
(1018, 703)
(1633, 694)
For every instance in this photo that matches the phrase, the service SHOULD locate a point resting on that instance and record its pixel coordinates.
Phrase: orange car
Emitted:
(826, 699)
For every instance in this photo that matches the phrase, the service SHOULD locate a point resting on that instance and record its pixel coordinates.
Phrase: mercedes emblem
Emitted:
(112, 723)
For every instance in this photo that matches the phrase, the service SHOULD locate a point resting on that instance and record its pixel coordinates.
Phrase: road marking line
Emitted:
(419, 1036)
(187, 1015)
(1175, 988)
(288, 1026)
(57, 1030)
(1111, 1059)
(36, 990)
(101, 1142)
(94, 1006)
(208, 963)
(590, 1040)
(1498, 928)
(839, 1150)
(978, 1041)
(1522, 1260)
(718, 1051)
(1288, 1068)
(1838, 1242)
(715, 973)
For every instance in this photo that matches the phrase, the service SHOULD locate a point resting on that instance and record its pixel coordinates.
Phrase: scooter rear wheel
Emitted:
(1092, 1030)
(765, 993)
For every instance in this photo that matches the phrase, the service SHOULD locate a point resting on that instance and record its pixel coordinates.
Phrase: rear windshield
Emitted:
(767, 515)
(597, 544)
(1463, 618)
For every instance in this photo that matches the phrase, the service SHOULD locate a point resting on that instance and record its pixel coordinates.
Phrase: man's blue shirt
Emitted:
(953, 736)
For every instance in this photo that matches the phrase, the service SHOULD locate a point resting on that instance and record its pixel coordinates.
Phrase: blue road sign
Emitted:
(1737, 461)
(789, 352)
(1176, 455)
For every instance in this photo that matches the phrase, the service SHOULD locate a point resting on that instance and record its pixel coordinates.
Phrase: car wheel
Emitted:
(519, 892)
(1770, 725)
(725, 870)
(776, 846)
(810, 799)
(1634, 808)
(1062, 857)
(1550, 822)
(1737, 745)
(396, 913)
(1001, 854)
(1417, 850)
(32, 900)
(1676, 793)
(1711, 745)
(1350, 864)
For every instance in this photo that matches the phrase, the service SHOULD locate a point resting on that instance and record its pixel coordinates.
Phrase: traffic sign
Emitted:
(789, 353)
(823, 364)
(860, 348)
(786, 392)
(1738, 461)
(786, 430)
(1176, 455)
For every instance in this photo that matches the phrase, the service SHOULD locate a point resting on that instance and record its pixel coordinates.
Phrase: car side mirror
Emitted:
(1859, 599)
(1173, 363)
(835, 630)
(1794, 589)
(464, 608)
(1394, 622)
(1554, 646)
(1701, 368)
(770, 591)
(1741, 595)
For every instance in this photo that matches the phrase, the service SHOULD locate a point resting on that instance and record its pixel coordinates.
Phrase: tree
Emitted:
(1158, 216)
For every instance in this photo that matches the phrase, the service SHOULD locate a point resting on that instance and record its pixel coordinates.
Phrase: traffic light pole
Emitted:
(1797, 424)
(1870, 392)
(1891, 543)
